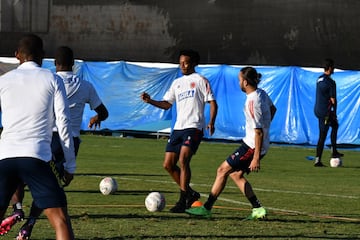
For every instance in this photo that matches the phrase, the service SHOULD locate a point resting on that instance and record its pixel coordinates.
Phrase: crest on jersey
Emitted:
(192, 85)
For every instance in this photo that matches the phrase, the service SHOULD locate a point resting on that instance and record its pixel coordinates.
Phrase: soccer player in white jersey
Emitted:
(259, 111)
(33, 101)
(79, 93)
(190, 93)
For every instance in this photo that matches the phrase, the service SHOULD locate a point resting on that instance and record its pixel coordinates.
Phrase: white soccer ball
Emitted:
(155, 202)
(108, 185)
(335, 162)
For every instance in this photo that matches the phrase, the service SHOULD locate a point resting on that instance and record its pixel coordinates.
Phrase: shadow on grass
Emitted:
(168, 216)
(314, 220)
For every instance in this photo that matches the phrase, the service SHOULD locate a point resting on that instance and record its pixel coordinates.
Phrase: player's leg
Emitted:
(323, 130)
(170, 165)
(18, 197)
(218, 186)
(246, 188)
(48, 194)
(26, 229)
(177, 173)
(333, 138)
(181, 176)
(190, 141)
(190, 144)
(185, 176)
(222, 174)
(8, 183)
(57, 167)
(185, 171)
(59, 220)
(171, 158)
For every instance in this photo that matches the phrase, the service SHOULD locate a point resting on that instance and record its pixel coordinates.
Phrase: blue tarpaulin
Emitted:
(292, 90)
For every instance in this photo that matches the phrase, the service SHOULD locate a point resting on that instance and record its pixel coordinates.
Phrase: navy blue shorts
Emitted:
(240, 159)
(45, 188)
(190, 137)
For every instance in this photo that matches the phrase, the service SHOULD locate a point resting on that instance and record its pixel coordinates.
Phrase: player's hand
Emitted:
(211, 128)
(94, 122)
(254, 165)
(145, 97)
(68, 177)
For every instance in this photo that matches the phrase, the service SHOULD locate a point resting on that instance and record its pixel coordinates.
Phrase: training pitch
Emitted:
(303, 202)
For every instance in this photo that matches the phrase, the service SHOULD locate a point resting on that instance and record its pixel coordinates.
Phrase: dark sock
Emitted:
(35, 212)
(255, 203)
(31, 220)
(183, 196)
(249, 194)
(17, 206)
(210, 202)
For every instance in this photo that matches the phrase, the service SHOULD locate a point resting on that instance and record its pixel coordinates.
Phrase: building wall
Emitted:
(257, 32)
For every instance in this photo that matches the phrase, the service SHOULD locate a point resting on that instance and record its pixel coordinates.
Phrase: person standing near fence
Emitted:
(259, 112)
(190, 93)
(325, 110)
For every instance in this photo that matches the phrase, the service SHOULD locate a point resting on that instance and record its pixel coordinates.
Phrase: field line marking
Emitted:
(256, 189)
(260, 189)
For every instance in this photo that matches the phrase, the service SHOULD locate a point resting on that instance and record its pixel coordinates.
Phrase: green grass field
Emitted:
(303, 202)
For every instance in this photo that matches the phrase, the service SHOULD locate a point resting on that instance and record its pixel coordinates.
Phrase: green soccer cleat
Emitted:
(199, 211)
(257, 213)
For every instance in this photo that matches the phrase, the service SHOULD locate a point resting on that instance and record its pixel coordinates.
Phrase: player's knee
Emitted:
(168, 167)
(221, 172)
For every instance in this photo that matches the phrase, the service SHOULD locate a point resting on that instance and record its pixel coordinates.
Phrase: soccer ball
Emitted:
(155, 202)
(108, 185)
(335, 162)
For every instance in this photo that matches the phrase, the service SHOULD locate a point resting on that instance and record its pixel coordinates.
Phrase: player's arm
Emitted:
(62, 116)
(213, 113)
(333, 104)
(272, 111)
(102, 114)
(255, 163)
(333, 100)
(160, 104)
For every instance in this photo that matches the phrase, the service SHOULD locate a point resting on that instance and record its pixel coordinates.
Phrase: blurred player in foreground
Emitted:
(33, 101)
(78, 93)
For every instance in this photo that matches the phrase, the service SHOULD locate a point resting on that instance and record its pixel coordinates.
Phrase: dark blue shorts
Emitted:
(240, 159)
(45, 188)
(190, 137)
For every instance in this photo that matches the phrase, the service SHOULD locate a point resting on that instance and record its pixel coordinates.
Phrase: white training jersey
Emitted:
(79, 93)
(258, 115)
(190, 92)
(32, 101)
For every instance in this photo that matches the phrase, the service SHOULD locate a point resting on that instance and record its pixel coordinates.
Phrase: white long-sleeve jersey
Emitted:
(32, 100)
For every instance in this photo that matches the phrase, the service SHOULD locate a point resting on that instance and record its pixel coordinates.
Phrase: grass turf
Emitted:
(303, 202)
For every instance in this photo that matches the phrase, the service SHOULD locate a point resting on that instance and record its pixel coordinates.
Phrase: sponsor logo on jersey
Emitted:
(186, 94)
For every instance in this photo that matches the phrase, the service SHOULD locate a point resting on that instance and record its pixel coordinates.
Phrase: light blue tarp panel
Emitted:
(292, 90)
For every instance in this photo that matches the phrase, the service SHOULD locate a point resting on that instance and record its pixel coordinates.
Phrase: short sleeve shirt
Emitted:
(190, 92)
(79, 92)
(257, 115)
